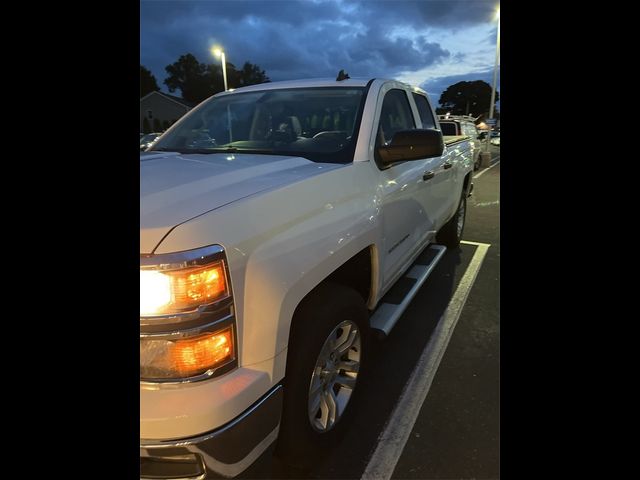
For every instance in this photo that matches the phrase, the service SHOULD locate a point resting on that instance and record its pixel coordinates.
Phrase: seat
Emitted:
(294, 124)
(385, 130)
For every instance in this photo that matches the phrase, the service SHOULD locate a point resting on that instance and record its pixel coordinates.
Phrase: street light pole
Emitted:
(224, 69)
(487, 158)
(495, 69)
(219, 53)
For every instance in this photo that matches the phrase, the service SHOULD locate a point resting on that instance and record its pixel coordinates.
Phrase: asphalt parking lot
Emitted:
(455, 431)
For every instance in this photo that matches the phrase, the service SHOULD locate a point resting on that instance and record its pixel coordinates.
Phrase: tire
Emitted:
(451, 233)
(331, 318)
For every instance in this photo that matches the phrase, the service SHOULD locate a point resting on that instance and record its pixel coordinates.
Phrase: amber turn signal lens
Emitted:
(194, 356)
(187, 357)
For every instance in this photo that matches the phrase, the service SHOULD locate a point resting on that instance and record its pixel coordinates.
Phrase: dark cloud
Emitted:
(444, 13)
(292, 39)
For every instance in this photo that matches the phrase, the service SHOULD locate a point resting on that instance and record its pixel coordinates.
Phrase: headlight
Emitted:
(187, 321)
(181, 290)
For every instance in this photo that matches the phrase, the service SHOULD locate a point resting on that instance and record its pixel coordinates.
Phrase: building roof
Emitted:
(182, 101)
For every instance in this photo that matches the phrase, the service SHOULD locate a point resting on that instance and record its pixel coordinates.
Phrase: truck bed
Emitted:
(451, 139)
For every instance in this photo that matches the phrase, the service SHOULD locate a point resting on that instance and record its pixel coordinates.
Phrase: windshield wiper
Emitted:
(182, 150)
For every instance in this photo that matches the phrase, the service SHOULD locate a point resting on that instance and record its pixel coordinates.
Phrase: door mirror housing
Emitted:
(411, 145)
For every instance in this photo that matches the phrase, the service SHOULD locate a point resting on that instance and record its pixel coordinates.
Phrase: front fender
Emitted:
(280, 245)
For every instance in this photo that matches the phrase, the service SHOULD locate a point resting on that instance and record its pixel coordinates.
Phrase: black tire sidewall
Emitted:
(463, 201)
(315, 319)
(448, 234)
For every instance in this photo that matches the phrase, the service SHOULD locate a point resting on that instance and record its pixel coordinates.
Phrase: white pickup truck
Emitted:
(274, 222)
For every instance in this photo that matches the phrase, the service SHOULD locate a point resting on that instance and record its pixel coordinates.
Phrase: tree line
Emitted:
(198, 81)
(468, 98)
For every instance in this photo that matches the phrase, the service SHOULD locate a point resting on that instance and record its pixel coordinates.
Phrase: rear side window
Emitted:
(448, 128)
(424, 110)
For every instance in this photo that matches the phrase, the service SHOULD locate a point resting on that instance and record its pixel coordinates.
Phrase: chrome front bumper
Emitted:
(226, 451)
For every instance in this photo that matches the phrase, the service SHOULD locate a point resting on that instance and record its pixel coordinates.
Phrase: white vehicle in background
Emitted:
(274, 220)
(147, 140)
(453, 125)
(495, 138)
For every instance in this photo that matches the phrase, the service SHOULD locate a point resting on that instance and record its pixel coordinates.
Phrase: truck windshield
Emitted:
(320, 124)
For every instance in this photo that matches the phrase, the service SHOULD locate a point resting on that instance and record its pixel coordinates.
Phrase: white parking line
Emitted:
(487, 169)
(399, 425)
(469, 242)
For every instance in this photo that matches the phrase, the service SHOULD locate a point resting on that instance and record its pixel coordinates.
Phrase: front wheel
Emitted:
(451, 233)
(328, 345)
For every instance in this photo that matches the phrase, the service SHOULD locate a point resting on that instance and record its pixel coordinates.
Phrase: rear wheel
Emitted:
(451, 233)
(328, 344)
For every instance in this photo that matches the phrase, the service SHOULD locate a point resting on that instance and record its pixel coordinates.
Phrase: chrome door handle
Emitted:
(447, 165)
(428, 175)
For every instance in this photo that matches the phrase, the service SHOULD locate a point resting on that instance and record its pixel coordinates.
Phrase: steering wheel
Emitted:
(203, 141)
(284, 133)
(330, 134)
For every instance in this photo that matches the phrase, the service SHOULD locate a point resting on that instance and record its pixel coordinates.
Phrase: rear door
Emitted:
(437, 193)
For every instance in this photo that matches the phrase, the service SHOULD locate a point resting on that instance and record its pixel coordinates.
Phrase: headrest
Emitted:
(295, 125)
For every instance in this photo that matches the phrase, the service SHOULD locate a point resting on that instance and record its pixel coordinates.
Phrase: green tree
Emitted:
(191, 77)
(467, 98)
(216, 81)
(148, 82)
(250, 74)
(146, 128)
(198, 81)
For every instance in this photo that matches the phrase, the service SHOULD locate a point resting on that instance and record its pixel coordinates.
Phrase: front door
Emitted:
(404, 217)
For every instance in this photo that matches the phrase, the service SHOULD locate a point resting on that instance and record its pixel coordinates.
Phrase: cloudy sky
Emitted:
(430, 43)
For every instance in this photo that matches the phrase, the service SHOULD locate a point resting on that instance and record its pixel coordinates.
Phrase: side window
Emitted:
(448, 128)
(424, 110)
(395, 116)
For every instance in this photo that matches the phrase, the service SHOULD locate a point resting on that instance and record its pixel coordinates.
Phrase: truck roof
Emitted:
(309, 82)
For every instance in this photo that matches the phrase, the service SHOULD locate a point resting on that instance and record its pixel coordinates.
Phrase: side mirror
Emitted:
(411, 145)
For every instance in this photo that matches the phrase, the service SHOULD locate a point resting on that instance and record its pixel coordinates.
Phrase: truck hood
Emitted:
(175, 188)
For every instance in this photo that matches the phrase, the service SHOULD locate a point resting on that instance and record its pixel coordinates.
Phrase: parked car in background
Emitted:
(495, 138)
(147, 140)
(455, 125)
